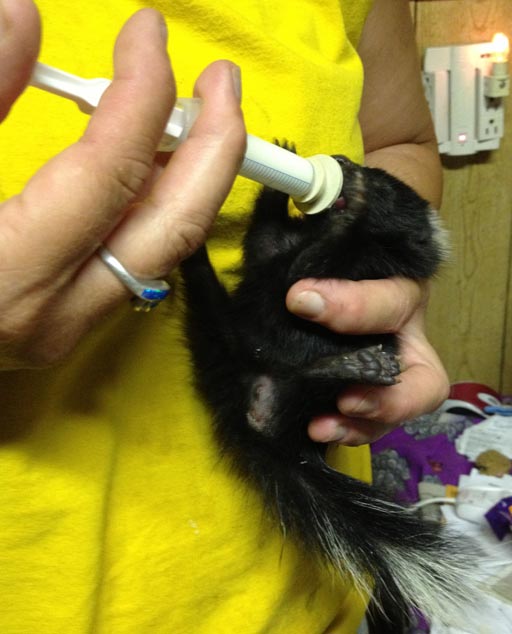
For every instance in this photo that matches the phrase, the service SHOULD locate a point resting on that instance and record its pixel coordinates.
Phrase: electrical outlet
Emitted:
(489, 113)
(464, 86)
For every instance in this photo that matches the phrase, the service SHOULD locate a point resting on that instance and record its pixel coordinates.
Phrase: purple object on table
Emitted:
(500, 518)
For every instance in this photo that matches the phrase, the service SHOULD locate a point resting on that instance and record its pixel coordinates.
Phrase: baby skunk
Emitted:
(265, 373)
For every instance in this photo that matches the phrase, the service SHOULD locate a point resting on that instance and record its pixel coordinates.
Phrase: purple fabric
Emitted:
(421, 450)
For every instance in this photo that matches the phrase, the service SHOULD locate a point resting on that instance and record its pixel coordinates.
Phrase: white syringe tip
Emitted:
(326, 186)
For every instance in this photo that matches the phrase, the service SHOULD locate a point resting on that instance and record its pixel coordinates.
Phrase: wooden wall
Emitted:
(470, 316)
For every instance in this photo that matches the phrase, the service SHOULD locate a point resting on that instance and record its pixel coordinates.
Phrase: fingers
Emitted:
(175, 217)
(372, 413)
(368, 412)
(134, 110)
(20, 33)
(85, 190)
(367, 306)
(105, 188)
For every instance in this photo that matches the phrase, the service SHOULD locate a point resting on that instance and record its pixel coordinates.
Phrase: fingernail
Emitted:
(237, 80)
(340, 435)
(163, 29)
(307, 304)
(360, 407)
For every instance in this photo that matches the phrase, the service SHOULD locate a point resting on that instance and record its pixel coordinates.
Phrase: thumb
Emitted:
(362, 307)
(20, 34)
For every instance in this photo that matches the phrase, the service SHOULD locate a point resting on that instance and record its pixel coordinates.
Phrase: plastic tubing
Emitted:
(313, 183)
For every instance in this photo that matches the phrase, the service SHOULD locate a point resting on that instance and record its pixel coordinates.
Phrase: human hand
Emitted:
(395, 305)
(20, 35)
(108, 188)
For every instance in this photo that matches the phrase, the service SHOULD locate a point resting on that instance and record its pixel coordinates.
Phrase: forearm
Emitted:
(395, 119)
(417, 164)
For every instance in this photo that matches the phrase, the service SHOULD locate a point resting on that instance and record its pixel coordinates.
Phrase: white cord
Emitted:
(422, 503)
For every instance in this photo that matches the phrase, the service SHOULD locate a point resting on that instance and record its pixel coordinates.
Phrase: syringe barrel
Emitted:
(277, 167)
(264, 162)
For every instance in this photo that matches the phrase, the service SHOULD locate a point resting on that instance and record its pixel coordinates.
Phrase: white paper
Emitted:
(498, 620)
(493, 433)
(494, 612)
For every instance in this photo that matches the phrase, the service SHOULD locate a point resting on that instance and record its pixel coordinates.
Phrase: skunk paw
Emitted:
(372, 365)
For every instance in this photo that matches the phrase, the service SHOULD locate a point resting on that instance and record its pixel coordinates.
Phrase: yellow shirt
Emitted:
(117, 515)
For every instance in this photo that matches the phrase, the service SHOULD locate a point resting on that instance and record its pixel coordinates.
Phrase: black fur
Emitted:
(265, 373)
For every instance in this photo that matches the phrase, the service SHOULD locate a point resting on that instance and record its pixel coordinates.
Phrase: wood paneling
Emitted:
(470, 317)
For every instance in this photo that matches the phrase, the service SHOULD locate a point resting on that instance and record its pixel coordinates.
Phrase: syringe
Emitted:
(313, 183)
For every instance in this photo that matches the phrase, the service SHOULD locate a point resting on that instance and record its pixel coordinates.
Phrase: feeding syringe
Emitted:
(313, 183)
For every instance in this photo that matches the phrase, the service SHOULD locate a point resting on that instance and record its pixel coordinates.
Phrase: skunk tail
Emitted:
(390, 554)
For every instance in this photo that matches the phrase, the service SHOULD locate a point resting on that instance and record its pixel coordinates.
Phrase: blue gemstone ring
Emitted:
(147, 293)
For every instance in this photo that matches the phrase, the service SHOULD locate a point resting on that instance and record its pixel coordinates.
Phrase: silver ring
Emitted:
(148, 293)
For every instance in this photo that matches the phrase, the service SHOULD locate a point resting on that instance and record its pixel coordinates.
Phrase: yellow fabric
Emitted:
(116, 513)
